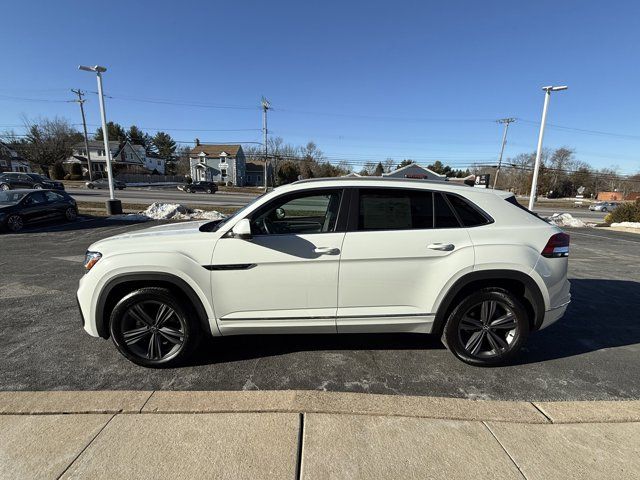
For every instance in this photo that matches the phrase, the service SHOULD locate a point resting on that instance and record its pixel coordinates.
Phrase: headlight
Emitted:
(90, 259)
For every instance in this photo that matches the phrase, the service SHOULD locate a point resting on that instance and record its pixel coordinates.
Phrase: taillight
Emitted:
(557, 246)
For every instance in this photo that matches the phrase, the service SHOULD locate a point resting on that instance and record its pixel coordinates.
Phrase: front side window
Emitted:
(311, 212)
(395, 209)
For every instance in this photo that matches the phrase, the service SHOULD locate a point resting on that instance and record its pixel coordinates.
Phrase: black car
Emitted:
(209, 187)
(21, 207)
(14, 180)
(104, 183)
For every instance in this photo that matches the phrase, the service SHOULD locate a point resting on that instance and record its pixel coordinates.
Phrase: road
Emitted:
(583, 214)
(592, 353)
(148, 195)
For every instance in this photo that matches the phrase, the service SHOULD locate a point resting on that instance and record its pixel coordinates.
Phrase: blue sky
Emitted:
(364, 80)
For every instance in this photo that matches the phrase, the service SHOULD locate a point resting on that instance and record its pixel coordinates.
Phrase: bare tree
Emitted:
(46, 141)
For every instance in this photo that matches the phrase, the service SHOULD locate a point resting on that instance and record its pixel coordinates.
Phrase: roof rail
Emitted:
(384, 179)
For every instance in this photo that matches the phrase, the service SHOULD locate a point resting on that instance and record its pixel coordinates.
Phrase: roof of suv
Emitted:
(446, 186)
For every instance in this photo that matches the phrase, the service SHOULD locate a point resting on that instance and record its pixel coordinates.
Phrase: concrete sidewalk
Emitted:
(289, 434)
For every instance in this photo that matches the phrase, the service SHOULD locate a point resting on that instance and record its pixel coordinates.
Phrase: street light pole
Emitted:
(114, 207)
(536, 168)
(265, 106)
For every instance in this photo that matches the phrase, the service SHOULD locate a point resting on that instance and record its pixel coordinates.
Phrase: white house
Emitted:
(413, 170)
(218, 163)
(10, 161)
(151, 163)
(126, 157)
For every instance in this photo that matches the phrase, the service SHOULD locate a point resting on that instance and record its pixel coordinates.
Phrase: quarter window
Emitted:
(392, 209)
(467, 213)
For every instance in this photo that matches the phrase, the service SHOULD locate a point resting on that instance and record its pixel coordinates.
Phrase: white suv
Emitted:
(346, 255)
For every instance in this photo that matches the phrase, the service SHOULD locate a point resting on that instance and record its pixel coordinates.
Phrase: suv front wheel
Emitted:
(487, 328)
(152, 328)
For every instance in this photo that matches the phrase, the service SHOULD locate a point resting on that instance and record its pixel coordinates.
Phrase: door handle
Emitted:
(327, 250)
(444, 247)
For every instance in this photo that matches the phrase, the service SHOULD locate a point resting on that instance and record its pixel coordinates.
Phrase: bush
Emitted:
(220, 184)
(76, 169)
(58, 171)
(188, 179)
(75, 177)
(625, 212)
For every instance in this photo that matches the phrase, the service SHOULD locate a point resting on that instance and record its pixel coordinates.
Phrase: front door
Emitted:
(36, 208)
(285, 278)
(396, 258)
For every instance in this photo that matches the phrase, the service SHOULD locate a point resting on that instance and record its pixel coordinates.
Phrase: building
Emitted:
(255, 173)
(10, 160)
(127, 158)
(151, 162)
(413, 170)
(218, 163)
(610, 196)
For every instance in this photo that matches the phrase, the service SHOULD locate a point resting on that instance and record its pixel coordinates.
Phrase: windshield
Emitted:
(9, 198)
(216, 224)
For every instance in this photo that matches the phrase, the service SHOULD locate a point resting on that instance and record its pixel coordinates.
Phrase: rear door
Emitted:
(401, 247)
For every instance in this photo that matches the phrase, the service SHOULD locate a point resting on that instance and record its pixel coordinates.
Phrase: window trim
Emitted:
(341, 221)
(354, 210)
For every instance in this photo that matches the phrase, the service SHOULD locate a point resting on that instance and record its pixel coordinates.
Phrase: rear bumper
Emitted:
(554, 314)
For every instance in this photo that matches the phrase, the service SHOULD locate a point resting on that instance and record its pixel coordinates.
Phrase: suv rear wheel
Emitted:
(487, 328)
(152, 328)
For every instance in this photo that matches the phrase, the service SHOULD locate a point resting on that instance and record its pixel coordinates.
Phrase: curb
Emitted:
(293, 401)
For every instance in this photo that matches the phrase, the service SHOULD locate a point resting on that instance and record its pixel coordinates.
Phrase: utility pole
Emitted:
(506, 122)
(265, 106)
(80, 102)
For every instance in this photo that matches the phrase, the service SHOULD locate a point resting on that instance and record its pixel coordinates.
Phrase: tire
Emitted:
(209, 190)
(71, 214)
(90, 187)
(5, 187)
(14, 223)
(604, 209)
(37, 186)
(177, 337)
(490, 347)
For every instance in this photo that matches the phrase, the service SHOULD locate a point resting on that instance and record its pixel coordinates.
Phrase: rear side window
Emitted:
(445, 218)
(467, 213)
(391, 209)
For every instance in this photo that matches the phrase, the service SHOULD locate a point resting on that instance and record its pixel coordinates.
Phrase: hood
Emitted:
(142, 238)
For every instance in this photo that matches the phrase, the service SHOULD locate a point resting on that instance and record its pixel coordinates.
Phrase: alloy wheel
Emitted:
(71, 214)
(488, 329)
(4, 186)
(152, 330)
(15, 223)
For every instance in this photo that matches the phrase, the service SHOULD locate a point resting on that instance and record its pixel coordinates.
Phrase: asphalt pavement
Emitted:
(593, 353)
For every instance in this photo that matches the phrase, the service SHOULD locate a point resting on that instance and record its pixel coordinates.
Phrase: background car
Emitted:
(21, 207)
(104, 183)
(14, 180)
(603, 206)
(208, 187)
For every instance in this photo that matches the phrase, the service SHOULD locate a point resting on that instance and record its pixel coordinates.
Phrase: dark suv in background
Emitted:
(15, 180)
(208, 187)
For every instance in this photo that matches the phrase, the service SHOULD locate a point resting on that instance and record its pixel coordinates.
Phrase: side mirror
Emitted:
(242, 229)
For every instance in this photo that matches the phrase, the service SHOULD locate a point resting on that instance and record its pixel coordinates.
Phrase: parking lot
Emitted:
(593, 353)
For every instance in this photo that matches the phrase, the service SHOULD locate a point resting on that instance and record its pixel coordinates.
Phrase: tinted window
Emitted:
(54, 197)
(469, 215)
(395, 210)
(445, 218)
(36, 198)
(310, 212)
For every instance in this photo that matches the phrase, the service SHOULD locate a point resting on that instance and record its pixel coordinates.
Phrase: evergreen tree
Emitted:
(138, 137)
(115, 130)
(165, 145)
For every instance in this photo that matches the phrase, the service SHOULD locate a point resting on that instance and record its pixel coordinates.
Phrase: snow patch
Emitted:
(626, 224)
(170, 211)
(566, 220)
